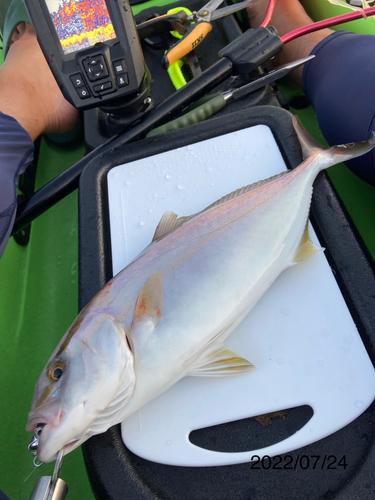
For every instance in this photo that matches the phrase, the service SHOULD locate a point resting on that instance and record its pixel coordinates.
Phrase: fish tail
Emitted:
(333, 155)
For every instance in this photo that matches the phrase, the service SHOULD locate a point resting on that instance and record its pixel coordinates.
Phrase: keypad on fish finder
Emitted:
(95, 68)
(99, 77)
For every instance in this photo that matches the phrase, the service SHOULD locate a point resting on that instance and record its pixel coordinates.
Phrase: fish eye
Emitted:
(56, 370)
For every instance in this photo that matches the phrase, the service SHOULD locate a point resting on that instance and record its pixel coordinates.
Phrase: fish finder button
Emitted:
(103, 87)
(95, 68)
(83, 92)
(119, 66)
(122, 80)
(77, 80)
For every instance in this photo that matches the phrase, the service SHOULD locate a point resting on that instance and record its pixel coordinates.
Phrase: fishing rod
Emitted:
(243, 55)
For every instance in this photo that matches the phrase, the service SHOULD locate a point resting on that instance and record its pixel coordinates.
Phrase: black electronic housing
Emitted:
(114, 86)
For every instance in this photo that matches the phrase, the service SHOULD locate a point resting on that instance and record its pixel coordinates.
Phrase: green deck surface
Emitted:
(39, 300)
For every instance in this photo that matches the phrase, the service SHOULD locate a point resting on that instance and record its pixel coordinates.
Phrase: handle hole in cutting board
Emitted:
(249, 434)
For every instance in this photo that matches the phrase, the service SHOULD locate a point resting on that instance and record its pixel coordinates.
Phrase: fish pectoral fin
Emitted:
(150, 299)
(307, 248)
(221, 362)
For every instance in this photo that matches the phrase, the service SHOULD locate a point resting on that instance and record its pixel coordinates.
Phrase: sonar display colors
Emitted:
(80, 23)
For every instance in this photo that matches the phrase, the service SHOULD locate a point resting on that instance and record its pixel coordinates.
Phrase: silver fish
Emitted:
(167, 313)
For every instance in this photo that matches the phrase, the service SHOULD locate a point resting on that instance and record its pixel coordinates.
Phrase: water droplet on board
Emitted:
(209, 169)
(348, 339)
(168, 443)
(150, 211)
(359, 404)
(180, 186)
(326, 331)
(142, 223)
(280, 360)
(128, 183)
(156, 195)
(189, 148)
(320, 362)
(168, 176)
(286, 311)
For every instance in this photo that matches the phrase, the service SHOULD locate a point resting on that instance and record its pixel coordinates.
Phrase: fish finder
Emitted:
(92, 48)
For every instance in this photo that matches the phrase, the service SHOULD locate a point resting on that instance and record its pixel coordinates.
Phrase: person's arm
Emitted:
(16, 151)
(31, 103)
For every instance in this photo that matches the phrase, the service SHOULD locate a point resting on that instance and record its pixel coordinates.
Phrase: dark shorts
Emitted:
(340, 83)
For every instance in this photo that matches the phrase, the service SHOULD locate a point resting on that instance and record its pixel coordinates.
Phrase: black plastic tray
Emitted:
(116, 473)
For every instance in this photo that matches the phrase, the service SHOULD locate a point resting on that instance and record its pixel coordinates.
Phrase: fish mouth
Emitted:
(51, 455)
(34, 423)
(53, 433)
(41, 421)
(72, 445)
(38, 444)
(50, 414)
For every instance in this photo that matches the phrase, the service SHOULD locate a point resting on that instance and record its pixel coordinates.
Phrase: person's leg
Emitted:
(338, 81)
(29, 92)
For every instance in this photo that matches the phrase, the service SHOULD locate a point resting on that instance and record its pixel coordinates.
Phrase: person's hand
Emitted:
(29, 92)
(288, 15)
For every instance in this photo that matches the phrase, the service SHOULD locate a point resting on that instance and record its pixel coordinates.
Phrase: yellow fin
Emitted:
(221, 362)
(307, 248)
(150, 299)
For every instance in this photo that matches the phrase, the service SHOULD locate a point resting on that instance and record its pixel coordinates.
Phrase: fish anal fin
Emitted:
(150, 299)
(307, 248)
(221, 362)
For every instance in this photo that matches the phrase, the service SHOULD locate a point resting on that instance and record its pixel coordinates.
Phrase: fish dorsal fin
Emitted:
(307, 142)
(170, 221)
(150, 300)
(245, 189)
(307, 248)
(220, 362)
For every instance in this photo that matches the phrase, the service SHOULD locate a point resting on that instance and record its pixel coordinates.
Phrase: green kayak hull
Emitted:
(39, 292)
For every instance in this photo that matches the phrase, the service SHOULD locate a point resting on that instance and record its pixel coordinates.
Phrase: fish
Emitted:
(165, 316)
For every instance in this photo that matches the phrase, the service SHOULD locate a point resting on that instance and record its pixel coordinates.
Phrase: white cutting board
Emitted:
(300, 335)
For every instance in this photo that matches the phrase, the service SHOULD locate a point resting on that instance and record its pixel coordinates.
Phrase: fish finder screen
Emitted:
(80, 24)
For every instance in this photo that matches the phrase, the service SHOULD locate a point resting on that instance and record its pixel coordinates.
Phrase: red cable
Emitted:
(326, 23)
(269, 13)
